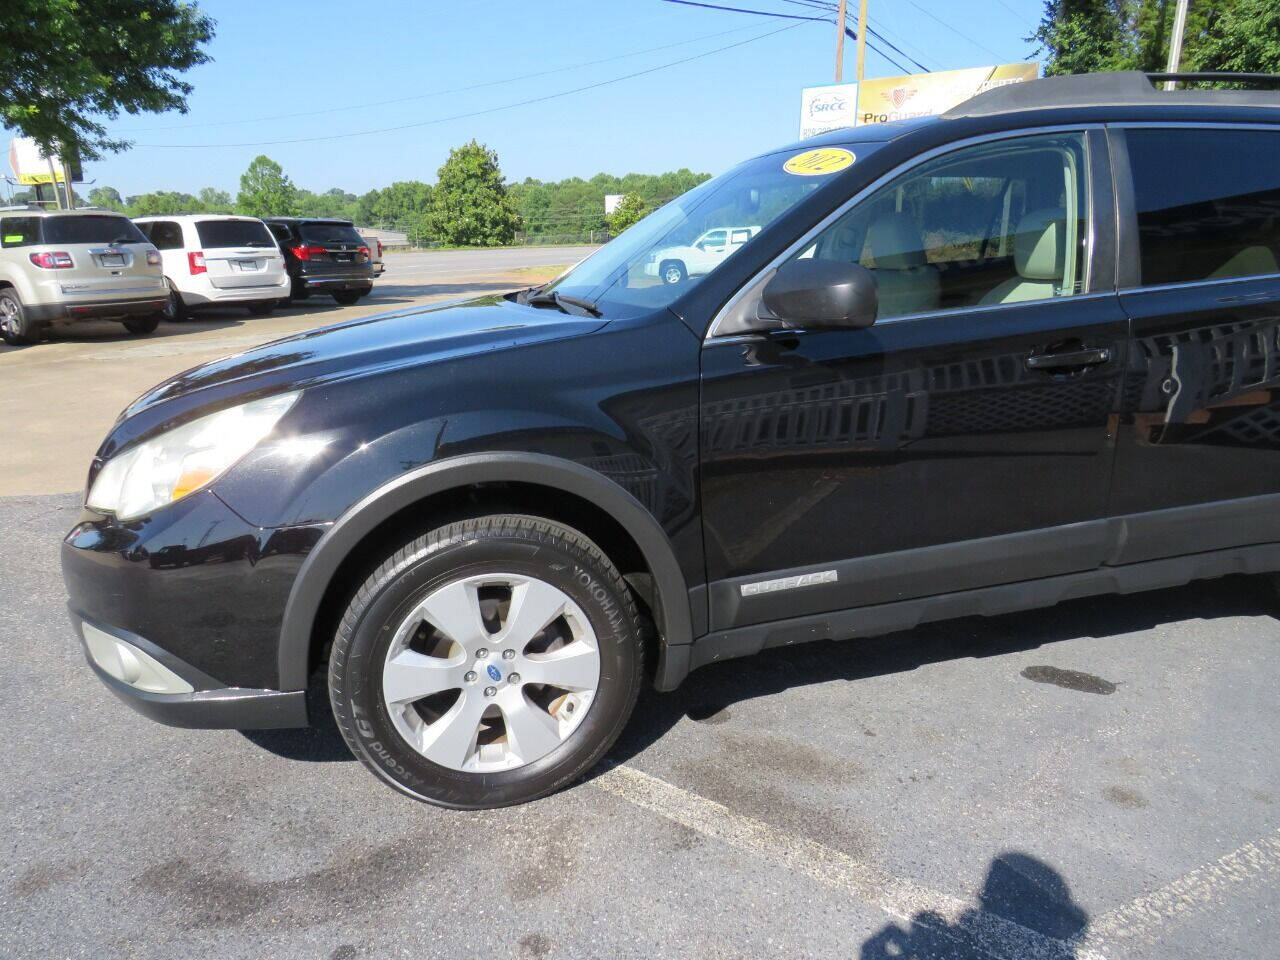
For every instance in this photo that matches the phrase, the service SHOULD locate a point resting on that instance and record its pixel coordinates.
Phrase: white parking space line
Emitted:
(1255, 862)
(900, 898)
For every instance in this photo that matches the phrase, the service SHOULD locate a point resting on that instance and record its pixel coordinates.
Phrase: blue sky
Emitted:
(283, 58)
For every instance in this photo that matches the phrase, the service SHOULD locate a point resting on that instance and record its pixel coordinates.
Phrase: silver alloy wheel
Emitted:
(9, 316)
(170, 309)
(673, 274)
(491, 672)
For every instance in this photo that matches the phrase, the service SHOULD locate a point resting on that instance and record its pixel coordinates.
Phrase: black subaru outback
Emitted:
(1025, 351)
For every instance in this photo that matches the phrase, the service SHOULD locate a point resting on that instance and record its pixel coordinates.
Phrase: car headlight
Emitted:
(168, 467)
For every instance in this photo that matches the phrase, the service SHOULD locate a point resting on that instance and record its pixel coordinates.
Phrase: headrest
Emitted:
(1039, 245)
(896, 243)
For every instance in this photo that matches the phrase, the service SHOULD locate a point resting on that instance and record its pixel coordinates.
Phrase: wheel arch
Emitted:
(322, 572)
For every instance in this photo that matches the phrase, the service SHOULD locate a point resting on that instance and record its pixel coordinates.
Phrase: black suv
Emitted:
(324, 256)
(1025, 351)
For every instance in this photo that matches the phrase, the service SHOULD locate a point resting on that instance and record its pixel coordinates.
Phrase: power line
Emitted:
(476, 113)
(871, 31)
(963, 36)
(758, 13)
(440, 93)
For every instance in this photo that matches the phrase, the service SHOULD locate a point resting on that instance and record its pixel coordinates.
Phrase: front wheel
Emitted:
(143, 324)
(489, 662)
(17, 328)
(673, 271)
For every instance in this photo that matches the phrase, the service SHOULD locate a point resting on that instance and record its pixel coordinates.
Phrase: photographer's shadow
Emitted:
(1019, 889)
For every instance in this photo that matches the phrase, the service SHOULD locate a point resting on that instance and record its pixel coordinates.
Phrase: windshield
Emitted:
(233, 233)
(660, 258)
(89, 228)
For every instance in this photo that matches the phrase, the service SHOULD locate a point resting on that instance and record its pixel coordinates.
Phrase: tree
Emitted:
(1245, 39)
(631, 210)
(162, 203)
(470, 204)
(213, 200)
(106, 197)
(66, 62)
(1086, 36)
(265, 191)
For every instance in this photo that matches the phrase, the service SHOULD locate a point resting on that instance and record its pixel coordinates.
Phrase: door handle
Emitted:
(1090, 357)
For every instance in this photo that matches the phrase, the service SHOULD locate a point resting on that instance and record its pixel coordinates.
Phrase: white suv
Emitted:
(676, 264)
(214, 260)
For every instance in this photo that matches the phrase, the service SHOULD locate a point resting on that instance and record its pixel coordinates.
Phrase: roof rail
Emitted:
(1120, 89)
(1267, 80)
(21, 206)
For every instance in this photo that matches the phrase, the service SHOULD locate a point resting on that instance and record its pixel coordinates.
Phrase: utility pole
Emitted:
(1175, 42)
(840, 16)
(862, 40)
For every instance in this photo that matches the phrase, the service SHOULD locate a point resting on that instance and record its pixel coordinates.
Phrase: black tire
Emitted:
(520, 545)
(673, 271)
(16, 326)
(175, 310)
(348, 297)
(298, 289)
(263, 308)
(143, 324)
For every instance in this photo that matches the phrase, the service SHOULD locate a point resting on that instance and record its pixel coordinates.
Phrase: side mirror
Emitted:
(823, 293)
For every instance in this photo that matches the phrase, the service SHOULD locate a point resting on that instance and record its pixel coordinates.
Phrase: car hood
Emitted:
(356, 348)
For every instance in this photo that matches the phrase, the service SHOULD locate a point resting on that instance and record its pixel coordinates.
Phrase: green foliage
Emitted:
(161, 202)
(67, 62)
(106, 197)
(1245, 39)
(403, 205)
(212, 200)
(334, 202)
(631, 210)
(1086, 36)
(265, 190)
(574, 208)
(470, 204)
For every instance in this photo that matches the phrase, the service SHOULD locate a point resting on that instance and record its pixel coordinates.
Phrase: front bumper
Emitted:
(206, 704)
(200, 591)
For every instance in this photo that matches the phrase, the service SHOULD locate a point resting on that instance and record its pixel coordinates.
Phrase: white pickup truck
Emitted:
(375, 253)
(674, 264)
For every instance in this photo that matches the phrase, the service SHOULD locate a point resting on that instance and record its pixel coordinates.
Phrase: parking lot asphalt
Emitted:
(61, 396)
(1100, 779)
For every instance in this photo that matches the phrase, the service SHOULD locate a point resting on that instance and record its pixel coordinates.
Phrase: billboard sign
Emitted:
(612, 201)
(827, 108)
(885, 99)
(30, 165)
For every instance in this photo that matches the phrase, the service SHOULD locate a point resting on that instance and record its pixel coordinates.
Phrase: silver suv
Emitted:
(59, 266)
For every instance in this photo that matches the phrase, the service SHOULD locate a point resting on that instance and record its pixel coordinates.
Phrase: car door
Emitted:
(710, 249)
(239, 252)
(168, 239)
(1198, 457)
(964, 439)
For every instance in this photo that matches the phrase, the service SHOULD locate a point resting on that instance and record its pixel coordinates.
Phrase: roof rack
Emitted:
(1120, 89)
(1266, 80)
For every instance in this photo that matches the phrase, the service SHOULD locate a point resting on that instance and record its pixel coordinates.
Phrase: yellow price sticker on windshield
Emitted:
(813, 163)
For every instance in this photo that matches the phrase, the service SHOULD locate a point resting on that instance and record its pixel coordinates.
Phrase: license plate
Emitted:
(249, 265)
(113, 259)
(342, 257)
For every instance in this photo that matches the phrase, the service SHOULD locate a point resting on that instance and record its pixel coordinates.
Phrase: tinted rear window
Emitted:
(330, 233)
(233, 233)
(89, 229)
(1208, 203)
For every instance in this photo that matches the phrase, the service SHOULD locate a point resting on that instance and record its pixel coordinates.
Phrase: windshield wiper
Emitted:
(581, 306)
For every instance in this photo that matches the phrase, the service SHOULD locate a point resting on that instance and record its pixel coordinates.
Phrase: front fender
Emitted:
(322, 563)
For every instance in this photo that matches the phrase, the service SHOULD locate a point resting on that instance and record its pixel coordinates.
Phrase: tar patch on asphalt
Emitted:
(1070, 680)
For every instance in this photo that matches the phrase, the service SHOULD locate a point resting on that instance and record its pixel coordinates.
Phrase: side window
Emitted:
(166, 235)
(1003, 222)
(1208, 203)
(19, 231)
(716, 238)
(280, 232)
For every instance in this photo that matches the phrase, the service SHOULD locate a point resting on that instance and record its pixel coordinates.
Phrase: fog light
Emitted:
(130, 665)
